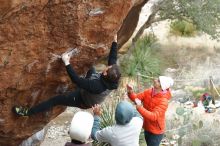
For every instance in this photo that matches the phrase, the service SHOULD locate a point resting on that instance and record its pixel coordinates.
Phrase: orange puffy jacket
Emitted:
(153, 110)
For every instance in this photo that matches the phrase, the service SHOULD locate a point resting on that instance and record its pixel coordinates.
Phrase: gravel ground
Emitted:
(57, 134)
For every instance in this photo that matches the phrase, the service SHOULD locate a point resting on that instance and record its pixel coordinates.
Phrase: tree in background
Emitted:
(205, 14)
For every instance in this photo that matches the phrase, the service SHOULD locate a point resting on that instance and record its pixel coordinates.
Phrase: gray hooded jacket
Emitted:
(125, 132)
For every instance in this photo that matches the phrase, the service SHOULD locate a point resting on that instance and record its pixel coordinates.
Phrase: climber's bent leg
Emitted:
(70, 99)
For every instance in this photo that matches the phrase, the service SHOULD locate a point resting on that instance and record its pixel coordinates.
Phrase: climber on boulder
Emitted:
(91, 90)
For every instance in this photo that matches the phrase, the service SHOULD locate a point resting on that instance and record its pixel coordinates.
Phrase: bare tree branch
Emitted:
(149, 22)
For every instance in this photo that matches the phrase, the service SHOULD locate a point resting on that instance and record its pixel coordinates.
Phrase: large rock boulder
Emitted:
(32, 36)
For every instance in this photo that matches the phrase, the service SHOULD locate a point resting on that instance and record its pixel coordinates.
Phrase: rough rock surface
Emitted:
(32, 36)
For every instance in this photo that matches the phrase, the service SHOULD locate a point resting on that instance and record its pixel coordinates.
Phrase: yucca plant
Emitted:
(141, 60)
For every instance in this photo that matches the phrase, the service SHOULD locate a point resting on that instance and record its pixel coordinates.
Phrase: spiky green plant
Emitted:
(141, 60)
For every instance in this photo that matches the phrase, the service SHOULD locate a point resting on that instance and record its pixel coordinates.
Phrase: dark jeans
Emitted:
(70, 99)
(152, 139)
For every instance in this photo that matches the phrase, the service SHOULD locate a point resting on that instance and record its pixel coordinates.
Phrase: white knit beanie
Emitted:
(165, 82)
(81, 126)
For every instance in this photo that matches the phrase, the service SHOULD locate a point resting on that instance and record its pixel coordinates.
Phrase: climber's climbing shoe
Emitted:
(20, 111)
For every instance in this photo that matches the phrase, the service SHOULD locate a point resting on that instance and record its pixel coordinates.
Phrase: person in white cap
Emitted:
(155, 104)
(80, 129)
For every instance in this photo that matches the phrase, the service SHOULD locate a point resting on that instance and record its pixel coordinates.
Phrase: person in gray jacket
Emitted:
(125, 132)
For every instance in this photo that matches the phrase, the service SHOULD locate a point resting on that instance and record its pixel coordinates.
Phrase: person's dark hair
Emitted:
(113, 74)
(76, 142)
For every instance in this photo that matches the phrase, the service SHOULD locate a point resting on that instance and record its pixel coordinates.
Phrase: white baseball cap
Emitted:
(165, 82)
(81, 126)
